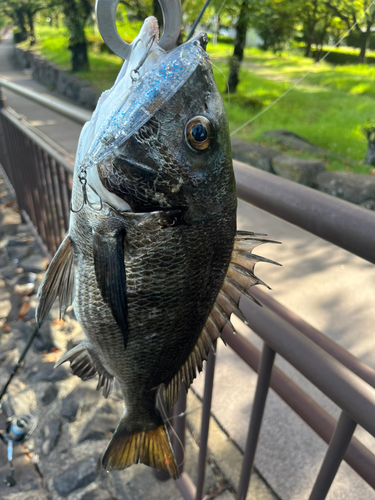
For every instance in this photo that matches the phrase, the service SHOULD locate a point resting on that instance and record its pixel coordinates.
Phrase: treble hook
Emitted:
(85, 198)
(106, 18)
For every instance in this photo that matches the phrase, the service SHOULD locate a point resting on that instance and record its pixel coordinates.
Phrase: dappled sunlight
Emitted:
(361, 88)
(314, 282)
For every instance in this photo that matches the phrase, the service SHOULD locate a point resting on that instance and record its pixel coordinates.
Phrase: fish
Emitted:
(152, 261)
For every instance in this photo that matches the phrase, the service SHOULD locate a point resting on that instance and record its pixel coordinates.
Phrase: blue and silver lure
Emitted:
(146, 81)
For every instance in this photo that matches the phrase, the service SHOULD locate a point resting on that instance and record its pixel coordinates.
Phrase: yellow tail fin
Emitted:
(150, 447)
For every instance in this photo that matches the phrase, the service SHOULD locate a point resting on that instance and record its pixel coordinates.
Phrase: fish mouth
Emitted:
(150, 28)
(99, 194)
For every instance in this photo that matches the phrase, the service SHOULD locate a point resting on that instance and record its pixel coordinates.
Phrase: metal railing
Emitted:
(41, 173)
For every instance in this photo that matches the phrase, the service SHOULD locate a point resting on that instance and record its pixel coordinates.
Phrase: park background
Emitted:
(259, 49)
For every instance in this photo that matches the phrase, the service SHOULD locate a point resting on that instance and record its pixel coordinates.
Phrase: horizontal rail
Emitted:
(38, 138)
(345, 357)
(358, 456)
(75, 113)
(346, 389)
(344, 224)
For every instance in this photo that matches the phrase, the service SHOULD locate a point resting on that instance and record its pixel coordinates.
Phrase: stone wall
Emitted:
(73, 88)
(355, 188)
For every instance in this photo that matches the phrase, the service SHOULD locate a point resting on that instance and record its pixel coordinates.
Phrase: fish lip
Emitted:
(150, 27)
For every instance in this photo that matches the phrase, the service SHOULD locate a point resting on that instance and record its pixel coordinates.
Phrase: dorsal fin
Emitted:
(57, 282)
(84, 366)
(239, 278)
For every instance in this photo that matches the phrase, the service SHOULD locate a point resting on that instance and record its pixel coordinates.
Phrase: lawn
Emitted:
(327, 108)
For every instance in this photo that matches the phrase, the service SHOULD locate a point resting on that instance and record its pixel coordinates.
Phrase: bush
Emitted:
(19, 36)
(354, 40)
(368, 129)
(222, 39)
(342, 56)
(97, 45)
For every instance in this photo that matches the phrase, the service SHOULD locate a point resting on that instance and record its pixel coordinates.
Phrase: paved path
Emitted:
(60, 129)
(328, 287)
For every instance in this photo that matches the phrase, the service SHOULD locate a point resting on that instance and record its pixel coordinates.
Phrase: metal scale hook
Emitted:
(106, 19)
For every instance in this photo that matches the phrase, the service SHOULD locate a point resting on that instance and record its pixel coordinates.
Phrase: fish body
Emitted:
(150, 244)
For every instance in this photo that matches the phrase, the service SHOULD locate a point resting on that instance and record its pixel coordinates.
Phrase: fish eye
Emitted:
(199, 133)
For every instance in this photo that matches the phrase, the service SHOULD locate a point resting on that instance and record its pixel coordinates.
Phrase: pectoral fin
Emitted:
(57, 282)
(108, 250)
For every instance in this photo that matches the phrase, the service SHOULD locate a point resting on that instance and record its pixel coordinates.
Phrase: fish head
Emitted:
(165, 144)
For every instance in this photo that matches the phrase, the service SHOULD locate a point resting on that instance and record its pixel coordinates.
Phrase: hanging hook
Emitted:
(134, 75)
(85, 199)
(106, 19)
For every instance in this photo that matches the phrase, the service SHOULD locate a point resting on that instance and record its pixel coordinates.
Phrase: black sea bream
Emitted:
(152, 261)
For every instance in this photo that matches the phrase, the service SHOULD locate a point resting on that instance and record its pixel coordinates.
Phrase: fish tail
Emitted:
(131, 444)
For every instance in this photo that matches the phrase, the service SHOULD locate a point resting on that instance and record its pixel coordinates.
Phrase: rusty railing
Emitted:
(41, 174)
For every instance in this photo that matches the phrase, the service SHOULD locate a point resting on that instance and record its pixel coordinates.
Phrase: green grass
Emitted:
(327, 108)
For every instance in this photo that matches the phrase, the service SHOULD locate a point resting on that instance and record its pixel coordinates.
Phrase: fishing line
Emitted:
(184, 413)
(18, 364)
(225, 78)
(19, 427)
(172, 429)
(221, 7)
(303, 77)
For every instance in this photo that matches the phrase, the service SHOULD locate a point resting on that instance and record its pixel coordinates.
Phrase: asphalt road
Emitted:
(328, 287)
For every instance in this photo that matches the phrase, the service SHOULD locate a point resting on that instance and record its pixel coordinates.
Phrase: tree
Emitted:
(275, 21)
(76, 13)
(351, 12)
(316, 19)
(239, 45)
(22, 12)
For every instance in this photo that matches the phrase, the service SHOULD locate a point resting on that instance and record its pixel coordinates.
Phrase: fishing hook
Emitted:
(85, 199)
(106, 19)
(142, 61)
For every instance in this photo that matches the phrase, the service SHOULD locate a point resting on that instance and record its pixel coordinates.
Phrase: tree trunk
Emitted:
(79, 59)
(308, 47)
(239, 45)
(370, 155)
(21, 24)
(320, 43)
(310, 38)
(30, 18)
(76, 13)
(364, 41)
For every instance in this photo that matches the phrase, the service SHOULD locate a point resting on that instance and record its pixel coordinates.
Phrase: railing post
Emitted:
(3, 101)
(205, 424)
(264, 378)
(335, 453)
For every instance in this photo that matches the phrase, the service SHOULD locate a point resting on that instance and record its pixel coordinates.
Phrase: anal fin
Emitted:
(83, 365)
(57, 282)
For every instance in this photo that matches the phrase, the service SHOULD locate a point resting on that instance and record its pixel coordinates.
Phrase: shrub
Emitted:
(368, 129)
(19, 36)
(342, 56)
